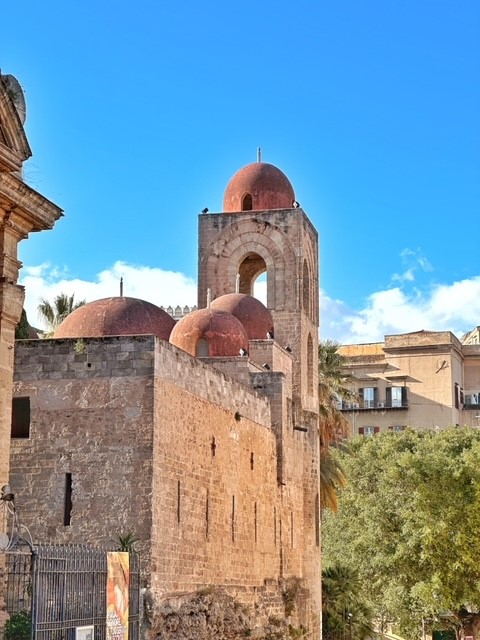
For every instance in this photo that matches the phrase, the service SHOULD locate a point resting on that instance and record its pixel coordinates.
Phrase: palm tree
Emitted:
(54, 314)
(334, 427)
(345, 615)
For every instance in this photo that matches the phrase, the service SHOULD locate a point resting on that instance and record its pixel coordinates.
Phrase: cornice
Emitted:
(27, 205)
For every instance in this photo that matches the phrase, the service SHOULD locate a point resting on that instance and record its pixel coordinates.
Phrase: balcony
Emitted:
(370, 405)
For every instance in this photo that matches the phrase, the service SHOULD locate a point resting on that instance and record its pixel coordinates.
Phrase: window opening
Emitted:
(20, 418)
(317, 520)
(255, 520)
(213, 446)
(67, 514)
(207, 514)
(233, 518)
(179, 500)
(247, 202)
(252, 461)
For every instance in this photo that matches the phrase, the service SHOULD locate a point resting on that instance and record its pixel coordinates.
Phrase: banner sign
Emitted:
(118, 579)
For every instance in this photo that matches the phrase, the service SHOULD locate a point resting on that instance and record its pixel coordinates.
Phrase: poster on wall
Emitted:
(118, 579)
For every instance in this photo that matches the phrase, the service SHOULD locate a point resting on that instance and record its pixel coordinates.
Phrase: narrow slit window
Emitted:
(255, 516)
(67, 515)
(207, 514)
(20, 418)
(233, 518)
(179, 500)
(275, 526)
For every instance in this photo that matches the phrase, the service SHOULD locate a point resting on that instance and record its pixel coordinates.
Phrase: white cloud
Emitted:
(445, 307)
(454, 307)
(148, 283)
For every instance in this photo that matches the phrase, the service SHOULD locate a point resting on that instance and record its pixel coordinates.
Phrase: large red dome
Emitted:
(209, 332)
(254, 315)
(257, 187)
(117, 316)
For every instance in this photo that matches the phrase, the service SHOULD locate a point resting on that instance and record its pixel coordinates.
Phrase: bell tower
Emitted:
(263, 230)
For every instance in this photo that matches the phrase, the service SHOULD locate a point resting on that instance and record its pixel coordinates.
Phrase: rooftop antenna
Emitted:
(259, 154)
(237, 283)
(209, 298)
(121, 286)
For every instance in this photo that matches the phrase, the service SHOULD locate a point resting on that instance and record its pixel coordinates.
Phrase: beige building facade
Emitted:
(424, 379)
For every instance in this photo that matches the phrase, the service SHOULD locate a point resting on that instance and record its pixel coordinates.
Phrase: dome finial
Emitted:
(121, 287)
(259, 154)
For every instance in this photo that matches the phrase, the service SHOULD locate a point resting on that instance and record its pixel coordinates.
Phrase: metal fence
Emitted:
(64, 587)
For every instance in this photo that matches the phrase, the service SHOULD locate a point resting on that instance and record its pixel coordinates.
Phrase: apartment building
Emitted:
(424, 379)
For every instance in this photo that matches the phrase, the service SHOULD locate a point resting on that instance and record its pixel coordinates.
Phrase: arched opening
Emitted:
(201, 348)
(247, 202)
(251, 267)
(260, 288)
(310, 365)
(306, 287)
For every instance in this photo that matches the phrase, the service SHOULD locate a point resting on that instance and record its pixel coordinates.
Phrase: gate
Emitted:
(61, 588)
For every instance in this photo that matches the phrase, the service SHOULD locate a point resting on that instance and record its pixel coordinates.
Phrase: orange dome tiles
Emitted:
(209, 332)
(258, 187)
(254, 316)
(117, 316)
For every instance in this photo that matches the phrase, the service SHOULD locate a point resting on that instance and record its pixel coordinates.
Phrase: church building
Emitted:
(198, 436)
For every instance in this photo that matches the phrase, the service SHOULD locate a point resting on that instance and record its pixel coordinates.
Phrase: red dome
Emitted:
(220, 332)
(254, 315)
(116, 317)
(257, 187)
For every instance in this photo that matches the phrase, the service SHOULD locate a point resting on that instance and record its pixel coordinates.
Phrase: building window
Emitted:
(67, 514)
(369, 396)
(247, 202)
(368, 431)
(396, 397)
(396, 428)
(457, 396)
(20, 418)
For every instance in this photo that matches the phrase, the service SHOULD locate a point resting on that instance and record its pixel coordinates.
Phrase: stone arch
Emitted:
(306, 293)
(312, 287)
(252, 266)
(272, 250)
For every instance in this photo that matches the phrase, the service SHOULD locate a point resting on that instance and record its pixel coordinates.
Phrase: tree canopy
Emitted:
(409, 524)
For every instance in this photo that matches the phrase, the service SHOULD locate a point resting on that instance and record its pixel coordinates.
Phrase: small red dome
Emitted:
(117, 316)
(257, 187)
(254, 315)
(209, 332)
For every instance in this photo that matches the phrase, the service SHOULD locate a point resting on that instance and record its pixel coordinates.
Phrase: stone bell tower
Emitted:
(263, 230)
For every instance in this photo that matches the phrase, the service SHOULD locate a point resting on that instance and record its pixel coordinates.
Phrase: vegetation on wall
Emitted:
(408, 526)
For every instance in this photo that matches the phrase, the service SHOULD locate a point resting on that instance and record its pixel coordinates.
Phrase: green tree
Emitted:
(54, 314)
(22, 330)
(334, 427)
(409, 523)
(344, 615)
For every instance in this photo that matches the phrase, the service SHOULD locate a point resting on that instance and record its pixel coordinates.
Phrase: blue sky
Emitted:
(139, 114)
